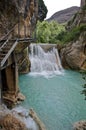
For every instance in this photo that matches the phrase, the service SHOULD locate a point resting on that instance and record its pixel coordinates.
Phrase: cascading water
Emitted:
(44, 62)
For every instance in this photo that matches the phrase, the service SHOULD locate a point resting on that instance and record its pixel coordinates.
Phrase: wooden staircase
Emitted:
(5, 50)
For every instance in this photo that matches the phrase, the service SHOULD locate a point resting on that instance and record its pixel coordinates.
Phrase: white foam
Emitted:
(23, 115)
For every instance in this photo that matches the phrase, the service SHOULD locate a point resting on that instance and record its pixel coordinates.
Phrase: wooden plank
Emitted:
(4, 44)
(2, 38)
(8, 54)
(21, 40)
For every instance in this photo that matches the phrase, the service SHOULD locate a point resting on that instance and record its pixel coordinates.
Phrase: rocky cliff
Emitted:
(73, 54)
(17, 12)
(17, 21)
(20, 17)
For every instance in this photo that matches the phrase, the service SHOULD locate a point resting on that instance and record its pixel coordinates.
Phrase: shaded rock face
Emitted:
(23, 58)
(8, 16)
(73, 55)
(42, 10)
(19, 17)
(83, 2)
(79, 18)
(13, 12)
(22, 15)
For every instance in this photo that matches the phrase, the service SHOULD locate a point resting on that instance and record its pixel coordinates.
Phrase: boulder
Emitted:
(9, 122)
(20, 97)
(81, 125)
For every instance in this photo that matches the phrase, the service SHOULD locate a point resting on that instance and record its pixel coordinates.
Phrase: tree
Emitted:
(47, 32)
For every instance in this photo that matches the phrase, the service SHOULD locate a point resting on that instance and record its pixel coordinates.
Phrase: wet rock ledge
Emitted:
(19, 119)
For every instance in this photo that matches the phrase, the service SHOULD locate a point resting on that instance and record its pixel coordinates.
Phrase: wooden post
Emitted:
(83, 2)
(16, 73)
(16, 77)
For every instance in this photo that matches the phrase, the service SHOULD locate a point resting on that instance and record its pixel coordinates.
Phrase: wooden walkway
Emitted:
(8, 46)
(5, 50)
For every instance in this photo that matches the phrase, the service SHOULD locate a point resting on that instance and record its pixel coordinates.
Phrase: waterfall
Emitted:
(44, 62)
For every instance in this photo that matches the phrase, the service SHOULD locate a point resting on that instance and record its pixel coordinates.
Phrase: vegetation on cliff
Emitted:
(42, 10)
(73, 35)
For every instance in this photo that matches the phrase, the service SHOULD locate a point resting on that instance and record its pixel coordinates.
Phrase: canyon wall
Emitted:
(73, 54)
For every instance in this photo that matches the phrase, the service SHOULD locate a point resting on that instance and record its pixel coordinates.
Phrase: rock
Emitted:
(23, 58)
(73, 55)
(9, 122)
(11, 99)
(20, 97)
(33, 114)
(79, 18)
(83, 2)
(17, 19)
(81, 125)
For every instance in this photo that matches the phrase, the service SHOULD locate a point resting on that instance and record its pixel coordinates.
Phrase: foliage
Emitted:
(72, 35)
(42, 10)
(47, 32)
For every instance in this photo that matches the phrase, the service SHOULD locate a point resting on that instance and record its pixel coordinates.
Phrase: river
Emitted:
(54, 93)
(57, 100)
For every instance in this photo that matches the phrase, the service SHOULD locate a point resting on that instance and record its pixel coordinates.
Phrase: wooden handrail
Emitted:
(21, 39)
(4, 37)
(9, 52)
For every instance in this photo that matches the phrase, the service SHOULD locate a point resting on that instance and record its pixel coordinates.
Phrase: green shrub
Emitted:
(72, 35)
(47, 32)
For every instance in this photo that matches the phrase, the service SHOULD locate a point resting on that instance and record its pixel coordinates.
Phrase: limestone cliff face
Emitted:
(73, 55)
(20, 16)
(79, 18)
(13, 12)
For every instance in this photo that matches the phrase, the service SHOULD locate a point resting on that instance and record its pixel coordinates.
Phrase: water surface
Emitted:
(57, 100)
